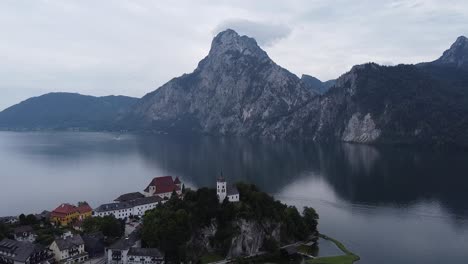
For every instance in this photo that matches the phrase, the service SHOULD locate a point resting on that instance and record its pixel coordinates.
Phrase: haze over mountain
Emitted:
(238, 90)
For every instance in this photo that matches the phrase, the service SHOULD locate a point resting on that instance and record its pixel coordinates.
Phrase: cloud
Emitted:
(266, 34)
(133, 47)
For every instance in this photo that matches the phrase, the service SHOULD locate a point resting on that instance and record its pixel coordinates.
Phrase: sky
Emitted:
(133, 47)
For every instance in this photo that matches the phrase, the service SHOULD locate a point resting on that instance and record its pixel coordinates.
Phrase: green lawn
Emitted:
(208, 258)
(348, 258)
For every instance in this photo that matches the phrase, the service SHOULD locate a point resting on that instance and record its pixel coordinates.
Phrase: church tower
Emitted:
(221, 188)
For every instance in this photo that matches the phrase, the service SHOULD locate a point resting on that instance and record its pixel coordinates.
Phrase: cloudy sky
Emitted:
(132, 47)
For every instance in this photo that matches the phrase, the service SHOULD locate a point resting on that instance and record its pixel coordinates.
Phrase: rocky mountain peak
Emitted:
(457, 55)
(229, 42)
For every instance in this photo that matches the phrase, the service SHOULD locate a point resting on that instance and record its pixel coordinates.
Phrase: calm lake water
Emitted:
(387, 204)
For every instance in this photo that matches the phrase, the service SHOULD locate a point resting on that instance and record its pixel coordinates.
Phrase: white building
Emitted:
(24, 233)
(127, 250)
(117, 252)
(123, 210)
(144, 256)
(69, 249)
(223, 191)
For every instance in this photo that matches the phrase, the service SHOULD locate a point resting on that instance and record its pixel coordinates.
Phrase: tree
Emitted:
(30, 219)
(310, 219)
(4, 231)
(22, 219)
(168, 230)
(82, 203)
(108, 225)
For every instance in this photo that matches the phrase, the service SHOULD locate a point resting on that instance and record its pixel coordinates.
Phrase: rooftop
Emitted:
(64, 208)
(145, 252)
(129, 204)
(84, 208)
(129, 196)
(69, 242)
(18, 251)
(232, 190)
(164, 184)
(113, 207)
(127, 242)
(22, 229)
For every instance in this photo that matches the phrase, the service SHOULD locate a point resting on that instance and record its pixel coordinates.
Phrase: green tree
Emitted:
(22, 219)
(168, 230)
(108, 225)
(29, 219)
(4, 231)
(311, 220)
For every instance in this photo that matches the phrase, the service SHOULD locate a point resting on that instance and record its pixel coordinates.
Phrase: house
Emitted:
(224, 191)
(122, 210)
(69, 248)
(128, 250)
(66, 214)
(9, 220)
(24, 233)
(117, 252)
(21, 252)
(84, 210)
(145, 256)
(43, 216)
(94, 244)
(129, 197)
(163, 187)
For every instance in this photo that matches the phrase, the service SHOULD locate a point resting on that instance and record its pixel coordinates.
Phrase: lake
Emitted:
(387, 204)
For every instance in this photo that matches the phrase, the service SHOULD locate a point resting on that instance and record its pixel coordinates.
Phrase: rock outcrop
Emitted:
(236, 90)
(248, 240)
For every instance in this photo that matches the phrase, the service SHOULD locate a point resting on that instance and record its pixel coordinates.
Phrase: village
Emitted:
(68, 234)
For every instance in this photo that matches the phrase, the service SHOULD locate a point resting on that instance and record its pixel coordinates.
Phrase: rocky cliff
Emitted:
(238, 90)
(248, 240)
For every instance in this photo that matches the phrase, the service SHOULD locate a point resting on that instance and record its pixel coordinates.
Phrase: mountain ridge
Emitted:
(62, 111)
(238, 90)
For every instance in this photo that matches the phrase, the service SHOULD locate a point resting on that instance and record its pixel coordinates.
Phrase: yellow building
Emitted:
(66, 214)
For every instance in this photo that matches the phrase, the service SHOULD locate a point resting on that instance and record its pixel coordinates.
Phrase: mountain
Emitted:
(456, 56)
(65, 111)
(235, 90)
(238, 90)
(405, 104)
(316, 85)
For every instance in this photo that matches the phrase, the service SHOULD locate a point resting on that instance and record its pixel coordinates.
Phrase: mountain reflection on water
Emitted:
(387, 204)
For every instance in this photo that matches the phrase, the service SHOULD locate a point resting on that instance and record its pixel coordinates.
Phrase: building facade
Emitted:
(145, 256)
(66, 214)
(117, 253)
(24, 233)
(69, 249)
(226, 191)
(128, 250)
(122, 210)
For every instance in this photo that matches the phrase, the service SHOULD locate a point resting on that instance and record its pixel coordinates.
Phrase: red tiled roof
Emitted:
(163, 184)
(64, 209)
(84, 208)
(177, 181)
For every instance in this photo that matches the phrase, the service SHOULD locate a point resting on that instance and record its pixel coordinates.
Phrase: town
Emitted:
(109, 233)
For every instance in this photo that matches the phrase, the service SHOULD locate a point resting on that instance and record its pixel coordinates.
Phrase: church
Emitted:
(223, 191)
